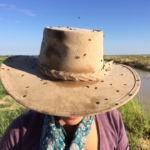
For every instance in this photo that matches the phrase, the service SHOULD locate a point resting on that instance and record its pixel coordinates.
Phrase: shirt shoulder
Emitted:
(112, 131)
(23, 128)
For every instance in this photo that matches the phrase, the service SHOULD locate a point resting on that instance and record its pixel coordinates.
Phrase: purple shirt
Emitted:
(25, 131)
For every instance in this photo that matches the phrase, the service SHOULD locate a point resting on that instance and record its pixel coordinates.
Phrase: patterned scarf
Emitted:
(54, 136)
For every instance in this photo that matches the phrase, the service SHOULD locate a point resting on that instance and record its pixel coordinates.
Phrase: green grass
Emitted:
(6, 117)
(2, 91)
(136, 61)
(136, 121)
(2, 58)
(6, 104)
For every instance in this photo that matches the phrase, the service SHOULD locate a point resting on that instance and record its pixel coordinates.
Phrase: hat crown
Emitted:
(72, 50)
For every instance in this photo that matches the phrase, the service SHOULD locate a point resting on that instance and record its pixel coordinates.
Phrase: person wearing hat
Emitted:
(72, 93)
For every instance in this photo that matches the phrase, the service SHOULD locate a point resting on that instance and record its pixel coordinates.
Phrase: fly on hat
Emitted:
(69, 78)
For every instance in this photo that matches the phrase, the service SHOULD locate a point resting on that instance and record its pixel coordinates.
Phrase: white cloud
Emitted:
(28, 12)
(2, 5)
(8, 7)
(12, 7)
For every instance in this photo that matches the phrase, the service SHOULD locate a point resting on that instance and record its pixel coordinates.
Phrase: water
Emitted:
(144, 92)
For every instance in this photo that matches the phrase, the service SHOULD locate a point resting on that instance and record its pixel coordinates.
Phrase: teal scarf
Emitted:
(54, 136)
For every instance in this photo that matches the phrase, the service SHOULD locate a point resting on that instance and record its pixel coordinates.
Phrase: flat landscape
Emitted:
(135, 61)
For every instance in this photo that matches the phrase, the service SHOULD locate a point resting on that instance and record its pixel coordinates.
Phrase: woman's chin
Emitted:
(71, 120)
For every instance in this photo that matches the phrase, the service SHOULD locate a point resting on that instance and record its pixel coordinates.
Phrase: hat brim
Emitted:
(30, 88)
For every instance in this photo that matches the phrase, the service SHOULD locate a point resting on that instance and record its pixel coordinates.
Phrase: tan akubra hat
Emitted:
(69, 78)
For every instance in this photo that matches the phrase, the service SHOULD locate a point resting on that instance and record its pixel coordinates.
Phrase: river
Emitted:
(144, 92)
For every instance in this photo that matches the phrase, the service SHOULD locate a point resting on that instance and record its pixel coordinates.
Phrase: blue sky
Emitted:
(125, 23)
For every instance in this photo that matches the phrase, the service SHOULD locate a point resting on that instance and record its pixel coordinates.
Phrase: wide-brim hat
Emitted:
(69, 77)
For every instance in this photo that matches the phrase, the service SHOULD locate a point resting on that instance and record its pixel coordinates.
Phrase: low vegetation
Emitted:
(137, 124)
(135, 61)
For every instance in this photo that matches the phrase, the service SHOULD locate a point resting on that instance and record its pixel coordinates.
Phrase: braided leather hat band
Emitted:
(71, 76)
